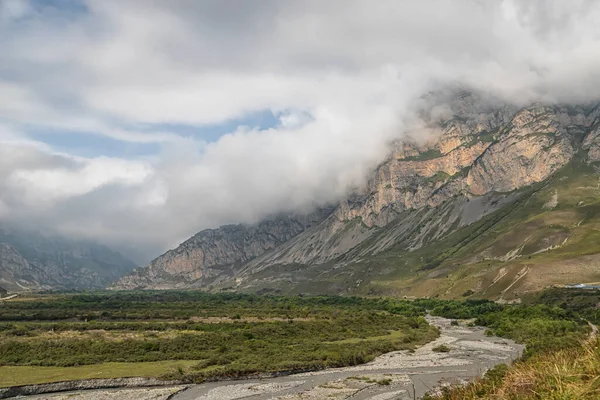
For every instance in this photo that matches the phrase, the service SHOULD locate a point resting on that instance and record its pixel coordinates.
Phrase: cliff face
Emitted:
(215, 254)
(485, 155)
(30, 260)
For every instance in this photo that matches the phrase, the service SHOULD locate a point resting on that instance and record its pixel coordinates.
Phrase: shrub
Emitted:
(442, 348)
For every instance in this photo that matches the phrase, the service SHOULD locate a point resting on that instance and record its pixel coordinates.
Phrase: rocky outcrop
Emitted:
(591, 143)
(534, 146)
(31, 260)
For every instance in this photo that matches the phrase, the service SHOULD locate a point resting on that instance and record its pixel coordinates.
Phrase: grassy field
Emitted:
(550, 235)
(25, 375)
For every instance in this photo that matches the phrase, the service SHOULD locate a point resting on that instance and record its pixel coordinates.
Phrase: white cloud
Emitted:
(343, 76)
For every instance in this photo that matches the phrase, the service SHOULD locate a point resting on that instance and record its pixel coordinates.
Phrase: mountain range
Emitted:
(494, 201)
(499, 202)
(31, 260)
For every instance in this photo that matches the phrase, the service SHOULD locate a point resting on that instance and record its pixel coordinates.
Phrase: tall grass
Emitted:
(561, 375)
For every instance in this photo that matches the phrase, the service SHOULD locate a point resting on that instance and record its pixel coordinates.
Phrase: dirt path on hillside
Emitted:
(395, 375)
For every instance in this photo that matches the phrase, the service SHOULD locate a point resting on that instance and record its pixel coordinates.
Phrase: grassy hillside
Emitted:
(550, 235)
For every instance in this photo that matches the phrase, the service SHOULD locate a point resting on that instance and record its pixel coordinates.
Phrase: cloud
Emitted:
(343, 78)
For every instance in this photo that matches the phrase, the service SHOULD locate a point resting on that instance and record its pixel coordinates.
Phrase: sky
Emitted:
(142, 122)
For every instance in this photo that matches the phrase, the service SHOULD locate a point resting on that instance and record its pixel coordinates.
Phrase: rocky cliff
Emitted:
(216, 254)
(487, 158)
(31, 260)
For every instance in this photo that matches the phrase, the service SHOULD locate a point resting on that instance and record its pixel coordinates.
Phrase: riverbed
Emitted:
(399, 375)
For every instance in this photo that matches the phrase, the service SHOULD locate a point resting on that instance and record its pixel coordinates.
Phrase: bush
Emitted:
(442, 348)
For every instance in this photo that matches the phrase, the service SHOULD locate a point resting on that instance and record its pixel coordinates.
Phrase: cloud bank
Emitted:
(341, 78)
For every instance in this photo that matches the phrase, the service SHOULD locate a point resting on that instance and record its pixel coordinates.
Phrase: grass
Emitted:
(562, 359)
(393, 335)
(424, 156)
(28, 375)
(560, 375)
(439, 176)
(327, 331)
(382, 382)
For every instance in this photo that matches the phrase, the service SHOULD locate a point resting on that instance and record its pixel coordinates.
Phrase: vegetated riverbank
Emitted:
(397, 375)
(565, 370)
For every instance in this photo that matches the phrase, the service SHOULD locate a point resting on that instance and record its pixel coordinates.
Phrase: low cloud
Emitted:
(343, 79)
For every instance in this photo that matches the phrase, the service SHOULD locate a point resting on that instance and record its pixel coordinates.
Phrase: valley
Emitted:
(338, 345)
(299, 200)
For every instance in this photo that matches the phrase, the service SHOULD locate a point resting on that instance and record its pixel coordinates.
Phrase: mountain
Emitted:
(216, 255)
(32, 260)
(503, 201)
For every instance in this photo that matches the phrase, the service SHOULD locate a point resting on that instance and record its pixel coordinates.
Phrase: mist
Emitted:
(341, 80)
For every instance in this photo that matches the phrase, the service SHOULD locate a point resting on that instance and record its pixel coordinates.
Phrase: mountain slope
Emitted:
(214, 255)
(31, 260)
(420, 221)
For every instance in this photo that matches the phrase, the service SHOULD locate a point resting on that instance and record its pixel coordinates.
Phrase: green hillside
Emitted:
(550, 234)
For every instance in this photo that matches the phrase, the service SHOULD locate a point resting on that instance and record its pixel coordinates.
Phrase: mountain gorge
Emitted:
(502, 201)
(34, 261)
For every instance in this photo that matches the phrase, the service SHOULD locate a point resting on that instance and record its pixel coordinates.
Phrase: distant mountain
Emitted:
(504, 201)
(32, 260)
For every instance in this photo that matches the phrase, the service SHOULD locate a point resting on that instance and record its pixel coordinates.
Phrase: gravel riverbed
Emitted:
(397, 375)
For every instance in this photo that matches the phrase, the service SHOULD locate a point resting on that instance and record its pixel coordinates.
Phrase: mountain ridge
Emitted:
(33, 261)
(486, 159)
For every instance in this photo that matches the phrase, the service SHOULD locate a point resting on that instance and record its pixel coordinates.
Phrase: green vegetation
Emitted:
(217, 335)
(442, 348)
(24, 375)
(439, 176)
(546, 231)
(485, 136)
(383, 382)
(562, 360)
(564, 374)
(424, 156)
(193, 336)
(541, 327)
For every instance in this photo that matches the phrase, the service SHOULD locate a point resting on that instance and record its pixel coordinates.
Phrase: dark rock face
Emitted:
(31, 260)
(483, 154)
